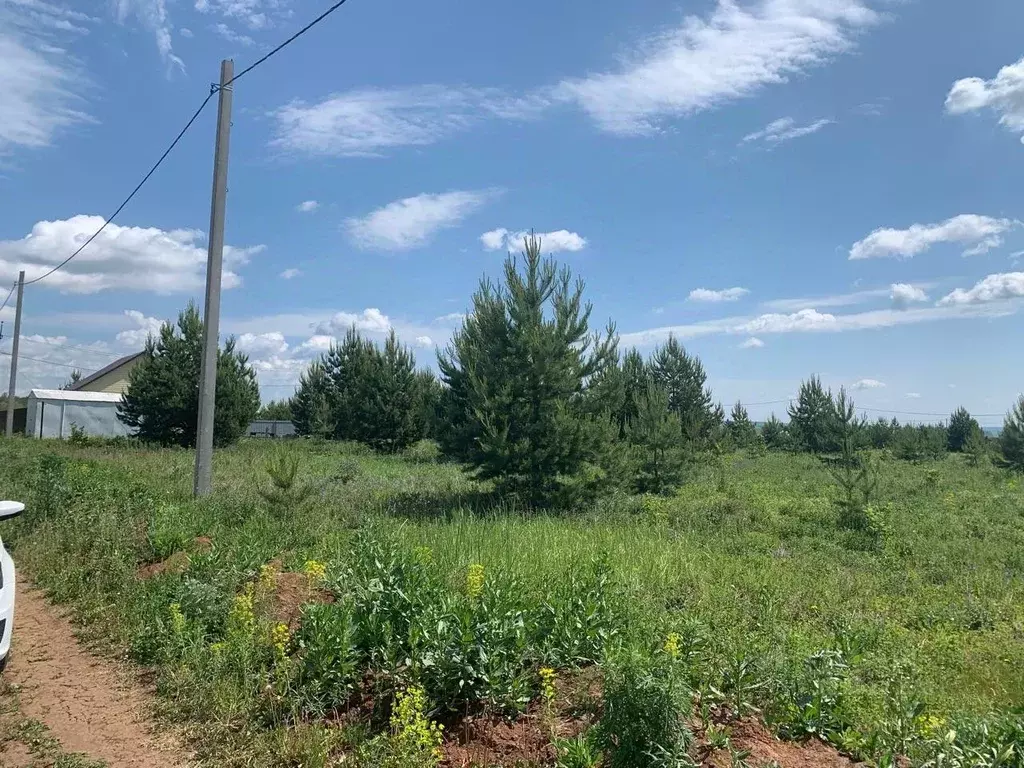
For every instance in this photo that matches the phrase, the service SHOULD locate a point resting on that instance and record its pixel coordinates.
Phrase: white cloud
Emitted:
(727, 294)
(256, 14)
(704, 62)
(128, 258)
(411, 222)
(812, 321)
(752, 343)
(913, 395)
(288, 274)
(1003, 94)
(785, 129)
(260, 345)
(983, 232)
(40, 83)
(454, 318)
(367, 122)
(186, 33)
(424, 341)
(502, 239)
(370, 320)
(994, 288)
(144, 327)
(903, 295)
(307, 206)
(231, 36)
(804, 320)
(152, 14)
(869, 384)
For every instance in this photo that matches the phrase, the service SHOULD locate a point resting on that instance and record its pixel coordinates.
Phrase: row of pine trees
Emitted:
(529, 398)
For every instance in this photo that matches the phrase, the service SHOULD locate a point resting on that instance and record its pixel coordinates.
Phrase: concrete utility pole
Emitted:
(14, 356)
(211, 314)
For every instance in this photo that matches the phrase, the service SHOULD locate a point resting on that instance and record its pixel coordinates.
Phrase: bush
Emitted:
(812, 419)
(645, 710)
(961, 427)
(1011, 440)
(328, 659)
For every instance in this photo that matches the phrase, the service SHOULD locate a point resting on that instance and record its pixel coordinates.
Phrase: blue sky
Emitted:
(790, 186)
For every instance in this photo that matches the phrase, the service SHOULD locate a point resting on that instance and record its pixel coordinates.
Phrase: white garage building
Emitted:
(51, 412)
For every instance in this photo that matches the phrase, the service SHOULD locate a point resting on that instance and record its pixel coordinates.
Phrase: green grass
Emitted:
(925, 612)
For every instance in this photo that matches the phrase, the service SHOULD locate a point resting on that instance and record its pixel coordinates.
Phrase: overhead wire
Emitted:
(9, 294)
(213, 89)
(39, 360)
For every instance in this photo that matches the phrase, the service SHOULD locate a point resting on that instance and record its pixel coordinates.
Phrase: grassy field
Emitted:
(739, 594)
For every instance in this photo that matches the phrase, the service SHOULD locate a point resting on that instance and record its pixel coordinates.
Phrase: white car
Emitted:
(8, 509)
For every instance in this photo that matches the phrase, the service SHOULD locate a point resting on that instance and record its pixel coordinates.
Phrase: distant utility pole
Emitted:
(211, 315)
(14, 355)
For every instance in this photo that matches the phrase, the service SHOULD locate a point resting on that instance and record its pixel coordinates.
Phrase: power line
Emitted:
(47, 362)
(288, 42)
(9, 294)
(125, 202)
(173, 144)
(105, 352)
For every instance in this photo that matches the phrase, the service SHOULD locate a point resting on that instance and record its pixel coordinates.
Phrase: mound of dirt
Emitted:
(291, 592)
(767, 749)
(177, 563)
(498, 742)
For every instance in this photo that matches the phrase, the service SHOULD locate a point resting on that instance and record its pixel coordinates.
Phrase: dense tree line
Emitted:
(531, 398)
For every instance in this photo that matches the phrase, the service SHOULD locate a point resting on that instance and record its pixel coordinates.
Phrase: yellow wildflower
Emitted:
(416, 734)
(315, 570)
(268, 577)
(177, 619)
(671, 646)
(423, 555)
(547, 684)
(475, 580)
(279, 636)
(241, 619)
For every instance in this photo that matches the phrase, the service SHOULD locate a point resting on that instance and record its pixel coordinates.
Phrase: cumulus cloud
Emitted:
(40, 84)
(913, 395)
(705, 62)
(785, 129)
(141, 328)
(994, 288)
(1003, 94)
(804, 320)
(127, 258)
(307, 206)
(288, 274)
(424, 341)
(981, 232)
(903, 295)
(752, 343)
(413, 221)
(259, 345)
(868, 384)
(727, 294)
(370, 320)
(502, 239)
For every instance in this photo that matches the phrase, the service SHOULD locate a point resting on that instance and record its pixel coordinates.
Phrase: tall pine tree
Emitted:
(961, 426)
(311, 404)
(812, 420)
(162, 400)
(516, 372)
(682, 377)
(1011, 439)
(740, 428)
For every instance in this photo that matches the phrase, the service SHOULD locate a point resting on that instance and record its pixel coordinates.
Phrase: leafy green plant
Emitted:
(327, 658)
(645, 708)
(414, 740)
(285, 494)
(581, 751)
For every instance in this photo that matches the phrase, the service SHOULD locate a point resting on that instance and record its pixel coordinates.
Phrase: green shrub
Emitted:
(328, 659)
(645, 710)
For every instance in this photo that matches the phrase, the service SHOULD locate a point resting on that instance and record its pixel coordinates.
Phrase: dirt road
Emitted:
(87, 704)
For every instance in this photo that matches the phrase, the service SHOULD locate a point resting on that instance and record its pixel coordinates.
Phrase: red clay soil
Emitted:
(765, 749)
(88, 705)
